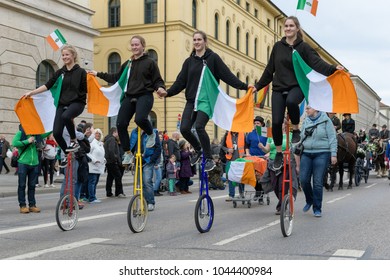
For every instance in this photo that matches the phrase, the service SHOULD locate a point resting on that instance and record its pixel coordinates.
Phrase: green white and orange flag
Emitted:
(335, 93)
(36, 113)
(241, 171)
(260, 97)
(308, 6)
(105, 101)
(226, 112)
(56, 40)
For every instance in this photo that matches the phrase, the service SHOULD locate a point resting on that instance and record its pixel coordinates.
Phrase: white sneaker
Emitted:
(95, 201)
(46, 186)
(127, 159)
(38, 186)
(58, 173)
(150, 207)
(151, 140)
(52, 186)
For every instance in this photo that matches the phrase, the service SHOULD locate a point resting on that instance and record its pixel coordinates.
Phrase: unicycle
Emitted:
(204, 208)
(287, 206)
(67, 210)
(137, 211)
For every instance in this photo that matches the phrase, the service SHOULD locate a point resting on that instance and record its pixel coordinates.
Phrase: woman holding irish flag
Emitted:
(286, 91)
(68, 87)
(188, 79)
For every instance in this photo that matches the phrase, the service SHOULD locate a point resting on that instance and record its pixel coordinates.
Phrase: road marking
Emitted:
(66, 247)
(234, 238)
(150, 246)
(338, 198)
(345, 254)
(214, 197)
(370, 186)
(12, 230)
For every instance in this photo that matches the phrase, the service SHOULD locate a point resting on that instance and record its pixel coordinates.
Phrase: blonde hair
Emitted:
(98, 130)
(204, 36)
(297, 24)
(142, 41)
(72, 50)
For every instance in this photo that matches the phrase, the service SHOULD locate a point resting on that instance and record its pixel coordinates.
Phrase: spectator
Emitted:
(150, 158)
(96, 164)
(384, 134)
(336, 121)
(373, 133)
(173, 146)
(49, 160)
(4, 147)
(185, 172)
(113, 163)
(172, 170)
(215, 147)
(257, 143)
(158, 168)
(215, 176)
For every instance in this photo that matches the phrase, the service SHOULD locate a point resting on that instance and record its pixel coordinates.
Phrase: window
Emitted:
(44, 72)
(255, 49)
(150, 11)
(238, 2)
(238, 38)
(194, 14)
(216, 26)
(268, 53)
(256, 13)
(153, 55)
(247, 6)
(114, 64)
(268, 22)
(114, 12)
(227, 33)
(247, 43)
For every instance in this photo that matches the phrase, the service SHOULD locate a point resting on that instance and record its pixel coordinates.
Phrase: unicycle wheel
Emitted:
(137, 214)
(67, 212)
(286, 217)
(204, 213)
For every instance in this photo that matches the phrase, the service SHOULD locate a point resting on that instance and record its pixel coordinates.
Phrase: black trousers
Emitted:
(64, 118)
(141, 107)
(114, 174)
(200, 119)
(281, 101)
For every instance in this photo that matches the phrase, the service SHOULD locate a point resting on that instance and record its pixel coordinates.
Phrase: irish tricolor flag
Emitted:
(308, 6)
(241, 171)
(226, 112)
(105, 101)
(36, 113)
(335, 93)
(56, 40)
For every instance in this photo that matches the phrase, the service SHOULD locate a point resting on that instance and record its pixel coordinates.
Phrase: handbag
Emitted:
(14, 161)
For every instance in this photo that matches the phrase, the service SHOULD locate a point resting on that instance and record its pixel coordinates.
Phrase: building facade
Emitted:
(26, 59)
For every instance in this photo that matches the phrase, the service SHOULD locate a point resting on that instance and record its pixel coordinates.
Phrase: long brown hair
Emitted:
(204, 36)
(297, 24)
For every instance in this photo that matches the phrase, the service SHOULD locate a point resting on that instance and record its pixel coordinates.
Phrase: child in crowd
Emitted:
(216, 181)
(172, 170)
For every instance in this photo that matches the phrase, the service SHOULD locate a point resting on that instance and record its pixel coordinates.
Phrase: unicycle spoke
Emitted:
(204, 213)
(137, 214)
(67, 212)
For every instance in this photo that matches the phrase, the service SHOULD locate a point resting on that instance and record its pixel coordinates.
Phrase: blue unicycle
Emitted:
(204, 209)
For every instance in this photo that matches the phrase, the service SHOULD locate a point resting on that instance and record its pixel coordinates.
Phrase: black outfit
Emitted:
(384, 134)
(144, 79)
(336, 123)
(113, 165)
(188, 79)
(4, 147)
(286, 90)
(348, 125)
(173, 149)
(71, 102)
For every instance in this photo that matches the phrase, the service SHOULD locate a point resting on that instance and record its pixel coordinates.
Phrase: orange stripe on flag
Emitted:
(248, 176)
(28, 116)
(243, 118)
(97, 102)
(52, 43)
(314, 7)
(344, 94)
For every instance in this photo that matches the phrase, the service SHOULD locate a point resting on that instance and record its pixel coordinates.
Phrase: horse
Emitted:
(346, 155)
(378, 156)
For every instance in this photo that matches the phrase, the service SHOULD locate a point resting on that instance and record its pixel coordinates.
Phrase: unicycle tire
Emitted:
(204, 213)
(286, 217)
(67, 212)
(137, 214)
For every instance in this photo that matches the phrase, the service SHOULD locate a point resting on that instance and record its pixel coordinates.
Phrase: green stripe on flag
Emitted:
(207, 93)
(301, 70)
(123, 80)
(56, 90)
(301, 4)
(59, 35)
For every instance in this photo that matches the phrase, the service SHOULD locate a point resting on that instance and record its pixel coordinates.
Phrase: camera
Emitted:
(299, 149)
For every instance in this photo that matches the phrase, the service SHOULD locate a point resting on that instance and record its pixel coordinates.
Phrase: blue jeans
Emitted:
(157, 178)
(93, 179)
(147, 177)
(76, 192)
(232, 187)
(30, 173)
(313, 165)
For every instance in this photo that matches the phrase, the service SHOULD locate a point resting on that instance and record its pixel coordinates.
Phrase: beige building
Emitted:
(26, 59)
(241, 32)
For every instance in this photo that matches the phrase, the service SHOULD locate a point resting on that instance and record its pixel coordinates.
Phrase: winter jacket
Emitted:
(144, 77)
(97, 161)
(185, 165)
(111, 150)
(280, 70)
(149, 155)
(28, 151)
(173, 149)
(323, 138)
(74, 85)
(189, 76)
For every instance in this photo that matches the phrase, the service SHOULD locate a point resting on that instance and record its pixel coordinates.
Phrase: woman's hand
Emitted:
(92, 72)
(333, 160)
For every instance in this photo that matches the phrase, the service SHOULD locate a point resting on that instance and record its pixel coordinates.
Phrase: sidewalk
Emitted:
(9, 183)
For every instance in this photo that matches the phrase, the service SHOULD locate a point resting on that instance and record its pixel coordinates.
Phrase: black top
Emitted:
(74, 85)
(189, 76)
(348, 125)
(144, 76)
(280, 69)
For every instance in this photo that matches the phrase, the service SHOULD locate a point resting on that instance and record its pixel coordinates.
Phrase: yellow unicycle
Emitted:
(137, 212)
